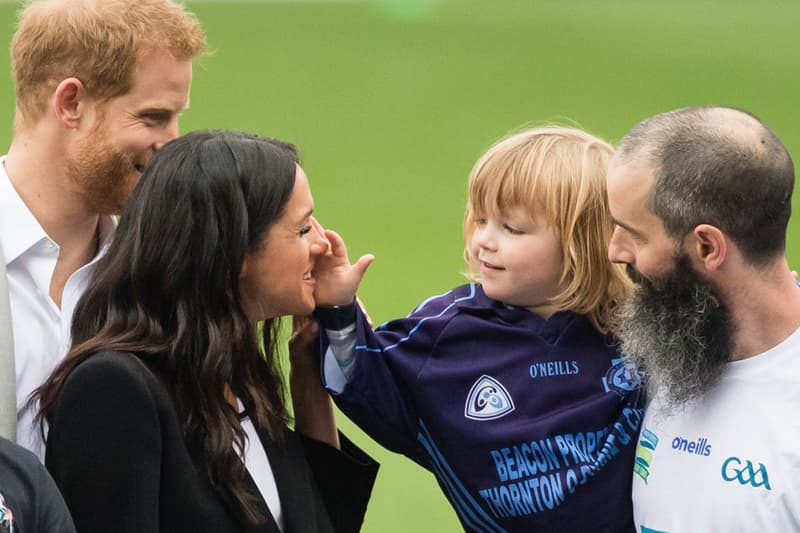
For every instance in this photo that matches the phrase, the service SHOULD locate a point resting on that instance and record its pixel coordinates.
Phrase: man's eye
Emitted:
(155, 119)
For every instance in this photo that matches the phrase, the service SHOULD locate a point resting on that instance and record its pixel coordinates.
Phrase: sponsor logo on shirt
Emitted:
(644, 454)
(488, 400)
(621, 378)
(745, 473)
(696, 447)
(554, 368)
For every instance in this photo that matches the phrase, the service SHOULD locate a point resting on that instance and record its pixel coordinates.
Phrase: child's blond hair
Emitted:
(560, 173)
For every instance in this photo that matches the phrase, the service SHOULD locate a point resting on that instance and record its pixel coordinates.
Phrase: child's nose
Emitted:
(485, 238)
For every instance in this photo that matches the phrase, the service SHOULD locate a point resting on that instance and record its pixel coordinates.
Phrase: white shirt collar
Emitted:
(19, 229)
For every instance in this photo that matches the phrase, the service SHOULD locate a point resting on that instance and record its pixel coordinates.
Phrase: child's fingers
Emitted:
(338, 248)
(363, 263)
(317, 226)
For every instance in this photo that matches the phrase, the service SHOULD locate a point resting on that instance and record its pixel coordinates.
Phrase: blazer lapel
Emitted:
(8, 374)
(291, 478)
(231, 504)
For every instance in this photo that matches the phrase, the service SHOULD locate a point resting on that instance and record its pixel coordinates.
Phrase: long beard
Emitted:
(102, 175)
(677, 331)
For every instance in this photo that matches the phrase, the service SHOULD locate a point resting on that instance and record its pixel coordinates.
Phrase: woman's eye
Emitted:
(305, 229)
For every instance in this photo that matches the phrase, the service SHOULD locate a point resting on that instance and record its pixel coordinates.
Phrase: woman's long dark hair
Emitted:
(167, 291)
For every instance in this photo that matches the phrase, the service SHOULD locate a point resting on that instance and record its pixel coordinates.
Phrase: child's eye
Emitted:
(512, 230)
(305, 229)
(480, 221)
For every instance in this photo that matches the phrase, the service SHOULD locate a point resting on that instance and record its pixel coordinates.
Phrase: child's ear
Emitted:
(709, 246)
(244, 269)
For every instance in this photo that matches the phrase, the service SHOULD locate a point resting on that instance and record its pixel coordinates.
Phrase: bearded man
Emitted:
(701, 199)
(99, 88)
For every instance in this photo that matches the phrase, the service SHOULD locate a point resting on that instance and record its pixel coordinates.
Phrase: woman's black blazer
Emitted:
(116, 451)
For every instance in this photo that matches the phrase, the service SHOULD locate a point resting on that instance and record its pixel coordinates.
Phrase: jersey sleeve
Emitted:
(372, 379)
(104, 448)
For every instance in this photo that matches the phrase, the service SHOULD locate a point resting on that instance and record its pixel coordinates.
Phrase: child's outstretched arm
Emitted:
(336, 278)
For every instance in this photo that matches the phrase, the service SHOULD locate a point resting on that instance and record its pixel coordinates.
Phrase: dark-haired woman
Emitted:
(168, 413)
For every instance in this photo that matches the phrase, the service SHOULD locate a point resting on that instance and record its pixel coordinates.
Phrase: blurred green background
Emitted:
(391, 102)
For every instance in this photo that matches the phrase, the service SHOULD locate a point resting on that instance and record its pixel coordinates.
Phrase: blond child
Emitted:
(510, 389)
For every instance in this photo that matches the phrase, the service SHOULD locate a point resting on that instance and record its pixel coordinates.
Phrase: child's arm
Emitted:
(377, 377)
(373, 375)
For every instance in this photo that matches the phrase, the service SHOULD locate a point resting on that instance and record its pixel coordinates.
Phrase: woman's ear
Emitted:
(244, 269)
(709, 246)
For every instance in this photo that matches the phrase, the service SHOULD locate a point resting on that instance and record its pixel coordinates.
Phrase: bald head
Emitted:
(718, 166)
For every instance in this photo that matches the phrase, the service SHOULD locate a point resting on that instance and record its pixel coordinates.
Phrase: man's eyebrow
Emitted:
(626, 227)
(157, 108)
(154, 110)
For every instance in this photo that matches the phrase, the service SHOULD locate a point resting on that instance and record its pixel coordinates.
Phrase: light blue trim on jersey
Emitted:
(427, 301)
(468, 509)
(365, 348)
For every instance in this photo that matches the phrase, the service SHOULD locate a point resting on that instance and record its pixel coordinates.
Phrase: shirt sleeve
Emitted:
(372, 374)
(104, 448)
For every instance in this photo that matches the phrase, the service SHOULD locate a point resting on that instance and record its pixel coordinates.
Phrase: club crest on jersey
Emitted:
(488, 400)
(621, 377)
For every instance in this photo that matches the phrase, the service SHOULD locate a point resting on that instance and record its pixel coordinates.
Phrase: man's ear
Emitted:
(70, 100)
(709, 246)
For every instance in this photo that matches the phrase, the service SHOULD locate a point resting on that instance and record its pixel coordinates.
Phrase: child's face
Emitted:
(519, 259)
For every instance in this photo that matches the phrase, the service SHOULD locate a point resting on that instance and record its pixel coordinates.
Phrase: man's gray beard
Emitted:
(678, 332)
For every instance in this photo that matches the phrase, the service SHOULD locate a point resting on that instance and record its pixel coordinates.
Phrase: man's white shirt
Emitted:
(728, 462)
(41, 330)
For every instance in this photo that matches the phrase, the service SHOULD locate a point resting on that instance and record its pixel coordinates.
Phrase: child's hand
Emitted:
(336, 279)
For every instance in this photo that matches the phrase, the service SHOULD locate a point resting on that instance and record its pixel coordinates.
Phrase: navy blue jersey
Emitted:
(528, 424)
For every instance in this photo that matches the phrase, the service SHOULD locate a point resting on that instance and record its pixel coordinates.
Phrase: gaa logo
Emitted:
(487, 400)
(733, 469)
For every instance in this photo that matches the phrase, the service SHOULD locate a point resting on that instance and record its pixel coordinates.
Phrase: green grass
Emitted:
(392, 102)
